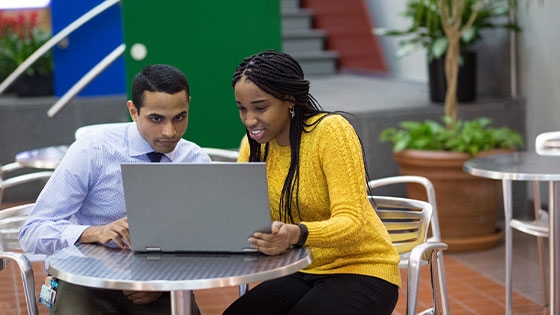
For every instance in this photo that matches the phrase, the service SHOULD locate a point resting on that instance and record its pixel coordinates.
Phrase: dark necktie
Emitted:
(154, 156)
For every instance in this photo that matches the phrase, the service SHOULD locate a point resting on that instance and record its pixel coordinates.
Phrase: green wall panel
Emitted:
(206, 40)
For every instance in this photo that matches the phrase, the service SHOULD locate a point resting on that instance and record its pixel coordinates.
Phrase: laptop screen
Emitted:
(186, 207)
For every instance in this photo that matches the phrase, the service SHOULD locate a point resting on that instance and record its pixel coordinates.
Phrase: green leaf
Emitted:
(469, 35)
(439, 47)
(470, 136)
(426, 26)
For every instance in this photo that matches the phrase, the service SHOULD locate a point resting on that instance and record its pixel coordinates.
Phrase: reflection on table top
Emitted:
(516, 166)
(104, 267)
(47, 158)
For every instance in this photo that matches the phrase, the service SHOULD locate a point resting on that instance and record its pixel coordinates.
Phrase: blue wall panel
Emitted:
(87, 46)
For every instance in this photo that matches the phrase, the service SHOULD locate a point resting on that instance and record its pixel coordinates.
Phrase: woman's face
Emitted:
(265, 117)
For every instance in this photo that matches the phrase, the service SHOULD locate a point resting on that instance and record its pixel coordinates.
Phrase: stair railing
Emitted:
(86, 17)
(85, 80)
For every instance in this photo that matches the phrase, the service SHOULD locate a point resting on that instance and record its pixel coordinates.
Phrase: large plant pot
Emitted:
(466, 84)
(467, 205)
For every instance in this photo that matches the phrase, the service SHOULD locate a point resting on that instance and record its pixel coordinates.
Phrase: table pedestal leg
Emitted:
(506, 186)
(181, 302)
(553, 241)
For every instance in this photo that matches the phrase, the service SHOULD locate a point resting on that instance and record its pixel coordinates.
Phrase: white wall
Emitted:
(539, 66)
(385, 13)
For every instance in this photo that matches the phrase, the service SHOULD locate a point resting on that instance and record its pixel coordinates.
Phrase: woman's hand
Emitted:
(282, 236)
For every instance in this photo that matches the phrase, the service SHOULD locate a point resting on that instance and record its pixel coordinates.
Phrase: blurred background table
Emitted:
(526, 166)
(45, 158)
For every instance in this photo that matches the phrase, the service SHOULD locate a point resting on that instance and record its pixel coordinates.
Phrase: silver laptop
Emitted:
(185, 207)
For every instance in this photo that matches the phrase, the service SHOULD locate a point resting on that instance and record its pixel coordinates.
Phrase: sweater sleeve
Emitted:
(342, 167)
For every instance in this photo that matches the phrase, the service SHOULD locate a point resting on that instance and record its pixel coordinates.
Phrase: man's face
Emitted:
(163, 119)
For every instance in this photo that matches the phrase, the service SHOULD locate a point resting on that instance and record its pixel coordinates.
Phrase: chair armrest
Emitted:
(401, 179)
(10, 167)
(22, 179)
(424, 252)
(420, 252)
(26, 276)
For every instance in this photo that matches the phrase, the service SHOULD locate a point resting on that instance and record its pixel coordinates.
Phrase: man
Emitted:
(84, 200)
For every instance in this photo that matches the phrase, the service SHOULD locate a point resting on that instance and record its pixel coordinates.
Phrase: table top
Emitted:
(112, 268)
(47, 158)
(521, 166)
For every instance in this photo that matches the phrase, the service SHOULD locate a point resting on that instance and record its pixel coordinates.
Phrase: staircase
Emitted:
(303, 42)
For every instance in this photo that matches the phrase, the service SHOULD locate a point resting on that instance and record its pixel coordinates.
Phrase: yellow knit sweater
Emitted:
(345, 234)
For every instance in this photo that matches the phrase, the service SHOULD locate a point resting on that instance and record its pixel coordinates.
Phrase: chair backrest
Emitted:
(13, 181)
(406, 220)
(80, 131)
(11, 219)
(430, 192)
(9, 167)
(221, 155)
(548, 143)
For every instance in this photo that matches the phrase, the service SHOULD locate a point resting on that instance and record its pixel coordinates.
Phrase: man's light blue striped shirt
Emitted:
(86, 188)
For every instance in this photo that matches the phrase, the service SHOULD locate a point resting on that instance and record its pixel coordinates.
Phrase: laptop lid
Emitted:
(186, 207)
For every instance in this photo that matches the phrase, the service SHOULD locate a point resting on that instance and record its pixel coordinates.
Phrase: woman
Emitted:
(318, 198)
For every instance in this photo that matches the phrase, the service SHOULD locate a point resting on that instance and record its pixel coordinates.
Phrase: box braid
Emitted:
(281, 76)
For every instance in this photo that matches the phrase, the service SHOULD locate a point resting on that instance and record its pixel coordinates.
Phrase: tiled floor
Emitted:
(474, 282)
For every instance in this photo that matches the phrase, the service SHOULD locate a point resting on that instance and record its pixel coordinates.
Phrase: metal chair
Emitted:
(438, 268)
(26, 272)
(11, 220)
(546, 143)
(83, 129)
(221, 155)
(20, 179)
(430, 193)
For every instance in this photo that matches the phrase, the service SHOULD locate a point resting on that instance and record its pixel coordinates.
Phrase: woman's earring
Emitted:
(292, 112)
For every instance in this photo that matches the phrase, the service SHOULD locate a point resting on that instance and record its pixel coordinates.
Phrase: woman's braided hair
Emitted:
(281, 76)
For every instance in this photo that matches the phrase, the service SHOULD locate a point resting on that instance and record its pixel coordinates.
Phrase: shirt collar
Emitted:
(137, 146)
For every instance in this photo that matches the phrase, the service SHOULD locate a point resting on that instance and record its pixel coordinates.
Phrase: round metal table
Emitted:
(526, 166)
(47, 158)
(111, 268)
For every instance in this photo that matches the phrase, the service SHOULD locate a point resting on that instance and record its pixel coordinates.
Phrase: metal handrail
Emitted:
(85, 80)
(55, 40)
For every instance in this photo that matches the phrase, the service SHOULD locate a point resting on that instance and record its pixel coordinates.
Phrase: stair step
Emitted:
(305, 44)
(295, 41)
(288, 5)
(297, 20)
(317, 63)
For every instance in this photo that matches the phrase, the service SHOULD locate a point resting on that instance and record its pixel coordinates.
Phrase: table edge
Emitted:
(183, 285)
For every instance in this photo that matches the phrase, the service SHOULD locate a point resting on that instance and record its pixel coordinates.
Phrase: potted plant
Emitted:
(427, 31)
(467, 205)
(21, 36)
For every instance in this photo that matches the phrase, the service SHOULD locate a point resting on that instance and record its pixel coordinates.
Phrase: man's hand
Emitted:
(116, 231)
(142, 297)
(283, 235)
